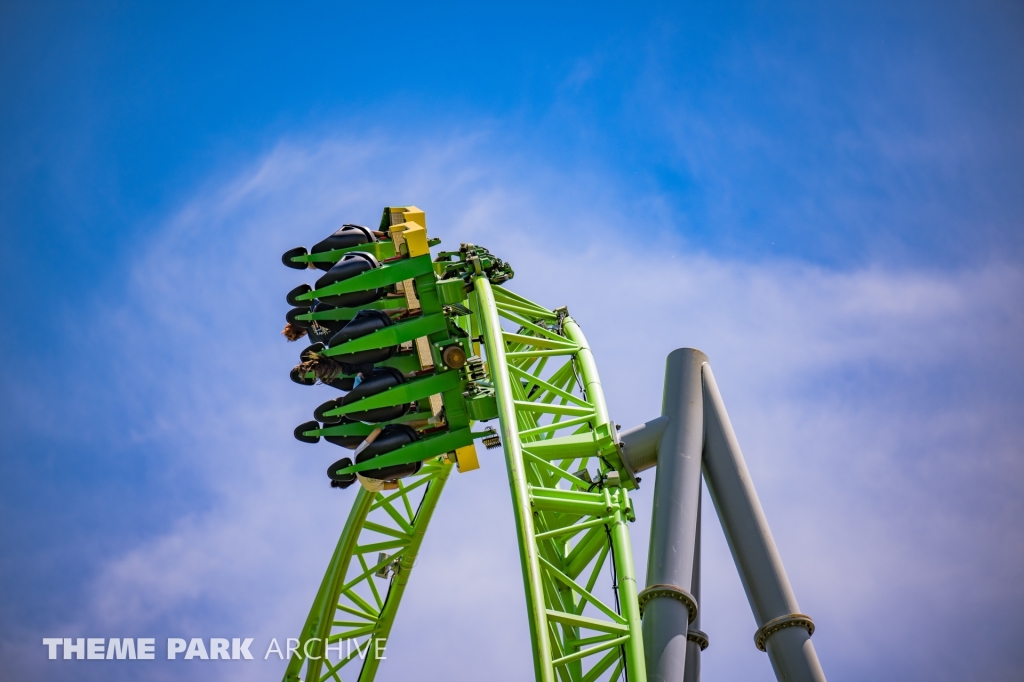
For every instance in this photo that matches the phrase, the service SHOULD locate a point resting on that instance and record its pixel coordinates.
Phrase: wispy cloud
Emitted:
(879, 409)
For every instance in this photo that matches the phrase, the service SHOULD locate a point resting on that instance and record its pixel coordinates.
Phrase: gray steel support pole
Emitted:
(692, 671)
(674, 519)
(640, 444)
(784, 630)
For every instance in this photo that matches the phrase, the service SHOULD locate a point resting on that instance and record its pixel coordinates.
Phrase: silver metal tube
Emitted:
(640, 444)
(753, 549)
(674, 519)
(692, 670)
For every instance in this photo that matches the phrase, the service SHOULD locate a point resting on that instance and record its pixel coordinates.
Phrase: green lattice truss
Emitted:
(568, 483)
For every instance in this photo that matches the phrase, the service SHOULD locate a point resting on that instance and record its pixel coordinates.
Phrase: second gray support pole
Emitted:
(694, 635)
(668, 604)
(782, 629)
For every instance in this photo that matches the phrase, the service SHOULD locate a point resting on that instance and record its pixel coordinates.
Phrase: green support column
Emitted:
(433, 319)
(521, 507)
(626, 573)
(566, 476)
(351, 607)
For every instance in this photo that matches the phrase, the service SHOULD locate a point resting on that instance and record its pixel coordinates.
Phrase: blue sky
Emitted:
(825, 199)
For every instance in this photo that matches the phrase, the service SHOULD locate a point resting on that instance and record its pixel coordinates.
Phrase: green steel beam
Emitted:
(400, 332)
(417, 389)
(554, 425)
(561, 454)
(521, 507)
(349, 313)
(380, 250)
(386, 275)
(418, 451)
(351, 610)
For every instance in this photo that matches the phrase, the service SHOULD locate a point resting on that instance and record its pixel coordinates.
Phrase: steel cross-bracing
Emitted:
(570, 509)
(358, 599)
(431, 353)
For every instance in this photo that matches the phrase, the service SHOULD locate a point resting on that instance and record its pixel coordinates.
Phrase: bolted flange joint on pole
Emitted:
(693, 439)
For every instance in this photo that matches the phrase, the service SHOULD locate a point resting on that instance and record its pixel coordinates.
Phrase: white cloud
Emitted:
(877, 408)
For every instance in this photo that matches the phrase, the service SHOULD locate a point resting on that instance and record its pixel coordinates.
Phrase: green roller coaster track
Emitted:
(528, 366)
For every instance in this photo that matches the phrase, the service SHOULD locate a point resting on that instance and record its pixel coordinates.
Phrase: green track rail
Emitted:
(356, 605)
(530, 367)
(554, 426)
